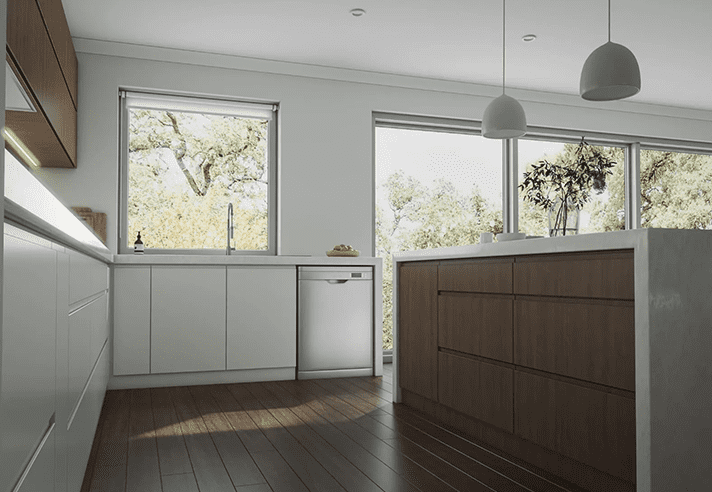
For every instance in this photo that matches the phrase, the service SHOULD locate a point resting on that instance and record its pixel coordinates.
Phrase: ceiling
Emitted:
(456, 40)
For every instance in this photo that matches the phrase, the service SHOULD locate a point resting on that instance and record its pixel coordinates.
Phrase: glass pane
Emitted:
(184, 169)
(433, 189)
(595, 203)
(675, 190)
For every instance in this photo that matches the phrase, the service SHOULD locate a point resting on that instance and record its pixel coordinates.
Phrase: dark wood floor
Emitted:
(322, 435)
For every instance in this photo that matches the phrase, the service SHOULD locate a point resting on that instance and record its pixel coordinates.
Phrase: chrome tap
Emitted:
(230, 229)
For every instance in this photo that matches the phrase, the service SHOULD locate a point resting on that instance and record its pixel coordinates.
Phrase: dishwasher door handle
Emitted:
(337, 281)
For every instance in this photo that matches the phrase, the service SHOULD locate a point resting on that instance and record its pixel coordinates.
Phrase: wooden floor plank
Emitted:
(235, 457)
(291, 436)
(278, 473)
(473, 468)
(172, 452)
(209, 470)
(109, 479)
(314, 476)
(249, 433)
(113, 447)
(143, 472)
(326, 402)
(376, 470)
(350, 477)
(182, 482)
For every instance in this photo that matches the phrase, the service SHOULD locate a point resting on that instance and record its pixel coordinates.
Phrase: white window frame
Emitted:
(203, 105)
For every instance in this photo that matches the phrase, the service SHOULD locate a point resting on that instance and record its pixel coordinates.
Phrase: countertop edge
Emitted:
(238, 260)
(18, 216)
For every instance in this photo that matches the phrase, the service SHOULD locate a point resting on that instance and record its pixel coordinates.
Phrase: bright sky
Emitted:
(464, 160)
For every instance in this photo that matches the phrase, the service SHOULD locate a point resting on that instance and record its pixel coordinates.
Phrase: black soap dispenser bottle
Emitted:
(138, 245)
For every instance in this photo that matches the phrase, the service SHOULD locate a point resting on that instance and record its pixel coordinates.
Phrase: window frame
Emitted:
(272, 160)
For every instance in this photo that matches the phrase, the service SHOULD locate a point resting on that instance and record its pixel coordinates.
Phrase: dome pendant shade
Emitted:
(611, 72)
(504, 118)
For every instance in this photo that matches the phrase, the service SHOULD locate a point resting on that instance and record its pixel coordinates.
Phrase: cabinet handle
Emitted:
(37, 452)
(334, 281)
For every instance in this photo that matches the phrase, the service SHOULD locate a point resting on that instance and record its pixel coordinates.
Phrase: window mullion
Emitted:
(510, 197)
(632, 186)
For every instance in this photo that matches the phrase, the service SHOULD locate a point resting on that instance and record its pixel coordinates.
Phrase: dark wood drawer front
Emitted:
(479, 325)
(599, 275)
(590, 341)
(587, 425)
(418, 328)
(488, 275)
(477, 389)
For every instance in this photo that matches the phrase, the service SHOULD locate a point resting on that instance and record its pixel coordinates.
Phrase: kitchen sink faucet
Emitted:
(230, 229)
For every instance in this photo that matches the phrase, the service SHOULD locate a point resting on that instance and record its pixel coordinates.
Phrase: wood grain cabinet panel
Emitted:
(31, 50)
(58, 29)
(594, 427)
(418, 328)
(479, 325)
(593, 341)
(605, 275)
(477, 389)
(481, 275)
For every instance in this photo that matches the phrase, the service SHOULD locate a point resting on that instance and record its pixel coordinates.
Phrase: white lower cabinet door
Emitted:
(39, 475)
(27, 370)
(187, 319)
(261, 317)
(132, 320)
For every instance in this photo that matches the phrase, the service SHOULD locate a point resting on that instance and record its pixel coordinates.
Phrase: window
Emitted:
(434, 188)
(184, 160)
(675, 189)
(604, 209)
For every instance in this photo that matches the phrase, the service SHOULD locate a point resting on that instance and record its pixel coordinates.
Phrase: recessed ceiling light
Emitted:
(528, 38)
(357, 12)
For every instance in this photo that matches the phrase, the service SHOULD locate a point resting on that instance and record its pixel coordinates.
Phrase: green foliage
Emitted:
(185, 168)
(422, 217)
(676, 189)
(566, 183)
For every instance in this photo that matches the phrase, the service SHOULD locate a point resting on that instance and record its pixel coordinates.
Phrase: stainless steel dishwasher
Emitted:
(335, 331)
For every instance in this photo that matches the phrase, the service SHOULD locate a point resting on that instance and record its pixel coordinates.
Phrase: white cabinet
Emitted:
(87, 277)
(39, 474)
(187, 319)
(261, 317)
(83, 423)
(27, 397)
(63, 405)
(132, 320)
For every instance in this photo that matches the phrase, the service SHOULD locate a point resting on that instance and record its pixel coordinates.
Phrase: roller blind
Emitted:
(140, 100)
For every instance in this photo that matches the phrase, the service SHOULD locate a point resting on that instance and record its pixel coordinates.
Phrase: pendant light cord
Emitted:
(609, 21)
(503, 41)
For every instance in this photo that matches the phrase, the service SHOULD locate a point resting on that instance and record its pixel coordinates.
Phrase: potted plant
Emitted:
(563, 189)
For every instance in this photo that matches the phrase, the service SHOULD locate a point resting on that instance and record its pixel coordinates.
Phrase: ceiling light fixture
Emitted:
(610, 72)
(504, 117)
(528, 38)
(357, 12)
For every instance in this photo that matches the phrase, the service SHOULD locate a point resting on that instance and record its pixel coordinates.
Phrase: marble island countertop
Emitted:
(631, 239)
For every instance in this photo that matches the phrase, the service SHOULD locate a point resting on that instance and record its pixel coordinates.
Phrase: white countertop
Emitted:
(632, 239)
(260, 260)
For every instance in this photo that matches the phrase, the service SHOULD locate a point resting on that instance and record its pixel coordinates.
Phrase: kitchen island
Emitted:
(587, 356)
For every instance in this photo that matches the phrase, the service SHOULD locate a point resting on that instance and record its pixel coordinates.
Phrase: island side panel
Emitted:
(680, 326)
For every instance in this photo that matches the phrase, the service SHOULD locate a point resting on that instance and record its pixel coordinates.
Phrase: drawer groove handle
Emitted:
(37, 452)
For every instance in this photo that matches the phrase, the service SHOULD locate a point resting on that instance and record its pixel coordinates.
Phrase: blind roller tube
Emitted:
(138, 100)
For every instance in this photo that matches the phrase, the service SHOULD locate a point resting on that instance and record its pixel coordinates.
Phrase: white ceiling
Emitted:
(457, 40)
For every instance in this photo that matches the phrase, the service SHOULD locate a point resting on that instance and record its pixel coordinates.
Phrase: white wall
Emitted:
(326, 135)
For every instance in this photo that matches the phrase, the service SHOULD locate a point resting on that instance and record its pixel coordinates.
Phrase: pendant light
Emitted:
(611, 72)
(504, 117)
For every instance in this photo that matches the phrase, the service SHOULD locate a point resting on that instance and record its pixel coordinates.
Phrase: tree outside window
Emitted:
(184, 168)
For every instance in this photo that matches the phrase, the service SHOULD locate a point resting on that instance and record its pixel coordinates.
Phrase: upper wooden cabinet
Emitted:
(41, 53)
